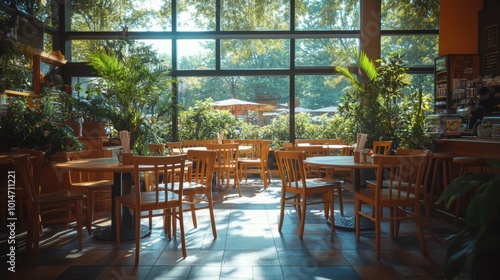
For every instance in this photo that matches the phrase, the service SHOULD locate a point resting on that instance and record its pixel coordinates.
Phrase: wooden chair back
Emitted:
(174, 148)
(197, 143)
(202, 167)
(382, 147)
(157, 149)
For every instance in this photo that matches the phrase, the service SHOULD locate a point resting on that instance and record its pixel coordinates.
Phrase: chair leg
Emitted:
(193, 211)
(137, 215)
(90, 211)
(377, 232)
(118, 218)
(339, 197)
(282, 209)
(36, 233)
(79, 223)
(357, 208)
(332, 216)
(302, 217)
(183, 237)
(212, 216)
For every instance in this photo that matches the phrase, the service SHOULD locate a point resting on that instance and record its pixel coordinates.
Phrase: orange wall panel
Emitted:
(458, 26)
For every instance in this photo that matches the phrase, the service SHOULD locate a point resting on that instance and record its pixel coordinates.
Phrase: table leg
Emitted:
(122, 183)
(348, 222)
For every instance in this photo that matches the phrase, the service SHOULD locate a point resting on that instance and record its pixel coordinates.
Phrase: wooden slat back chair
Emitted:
(167, 197)
(175, 148)
(20, 196)
(157, 149)
(256, 162)
(322, 173)
(95, 190)
(198, 188)
(313, 151)
(287, 146)
(40, 205)
(226, 163)
(382, 147)
(197, 143)
(397, 188)
(296, 188)
(425, 181)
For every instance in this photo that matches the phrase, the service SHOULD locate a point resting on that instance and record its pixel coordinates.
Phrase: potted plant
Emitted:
(133, 81)
(477, 245)
(378, 107)
(95, 110)
(25, 127)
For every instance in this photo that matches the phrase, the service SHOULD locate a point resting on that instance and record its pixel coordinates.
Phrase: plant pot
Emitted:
(93, 128)
(76, 126)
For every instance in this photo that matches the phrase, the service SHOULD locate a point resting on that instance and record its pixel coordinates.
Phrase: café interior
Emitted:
(231, 207)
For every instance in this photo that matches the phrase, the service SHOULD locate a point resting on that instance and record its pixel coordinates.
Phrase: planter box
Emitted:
(76, 126)
(93, 128)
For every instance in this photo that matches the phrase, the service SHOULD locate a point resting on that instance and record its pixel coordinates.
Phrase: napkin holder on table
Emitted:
(127, 158)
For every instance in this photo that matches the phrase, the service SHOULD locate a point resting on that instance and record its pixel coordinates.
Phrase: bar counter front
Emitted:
(488, 148)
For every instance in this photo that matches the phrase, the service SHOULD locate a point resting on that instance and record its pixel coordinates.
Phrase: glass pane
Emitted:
(81, 49)
(327, 15)
(136, 15)
(251, 15)
(255, 54)
(269, 121)
(317, 101)
(324, 52)
(193, 15)
(408, 15)
(417, 49)
(195, 54)
(425, 82)
(49, 14)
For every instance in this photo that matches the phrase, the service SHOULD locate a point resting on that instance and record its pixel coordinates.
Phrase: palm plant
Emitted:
(133, 83)
(377, 106)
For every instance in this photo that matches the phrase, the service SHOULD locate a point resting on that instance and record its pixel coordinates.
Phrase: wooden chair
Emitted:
(256, 162)
(95, 190)
(226, 162)
(165, 196)
(197, 143)
(44, 204)
(287, 146)
(426, 200)
(295, 182)
(174, 148)
(397, 190)
(313, 151)
(198, 190)
(157, 149)
(321, 172)
(382, 147)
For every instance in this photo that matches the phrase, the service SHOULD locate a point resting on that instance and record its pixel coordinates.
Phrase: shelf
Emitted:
(45, 57)
(19, 93)
(441, 97)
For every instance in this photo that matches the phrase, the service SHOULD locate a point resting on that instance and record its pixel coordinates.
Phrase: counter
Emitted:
(482, 147)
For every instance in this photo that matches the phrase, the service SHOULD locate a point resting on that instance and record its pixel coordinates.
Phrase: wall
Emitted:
(458, 26)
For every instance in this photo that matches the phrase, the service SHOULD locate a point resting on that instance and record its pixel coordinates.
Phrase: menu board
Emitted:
(491, 33)
(490, 61)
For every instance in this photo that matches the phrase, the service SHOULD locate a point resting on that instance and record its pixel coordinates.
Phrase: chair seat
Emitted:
(249, 160)
(59, 195)
(149, 198)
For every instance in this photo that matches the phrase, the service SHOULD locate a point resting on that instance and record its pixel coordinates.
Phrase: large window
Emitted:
(281, 52)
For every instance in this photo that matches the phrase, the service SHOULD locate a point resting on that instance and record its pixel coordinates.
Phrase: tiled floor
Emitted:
(248, 246)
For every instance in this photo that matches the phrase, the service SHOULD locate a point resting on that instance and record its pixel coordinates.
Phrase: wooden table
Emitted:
(342, 162)
(345, 222)
(122, 172)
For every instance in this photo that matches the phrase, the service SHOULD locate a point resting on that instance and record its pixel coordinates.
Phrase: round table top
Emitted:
(339, 161)
(109, 164)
